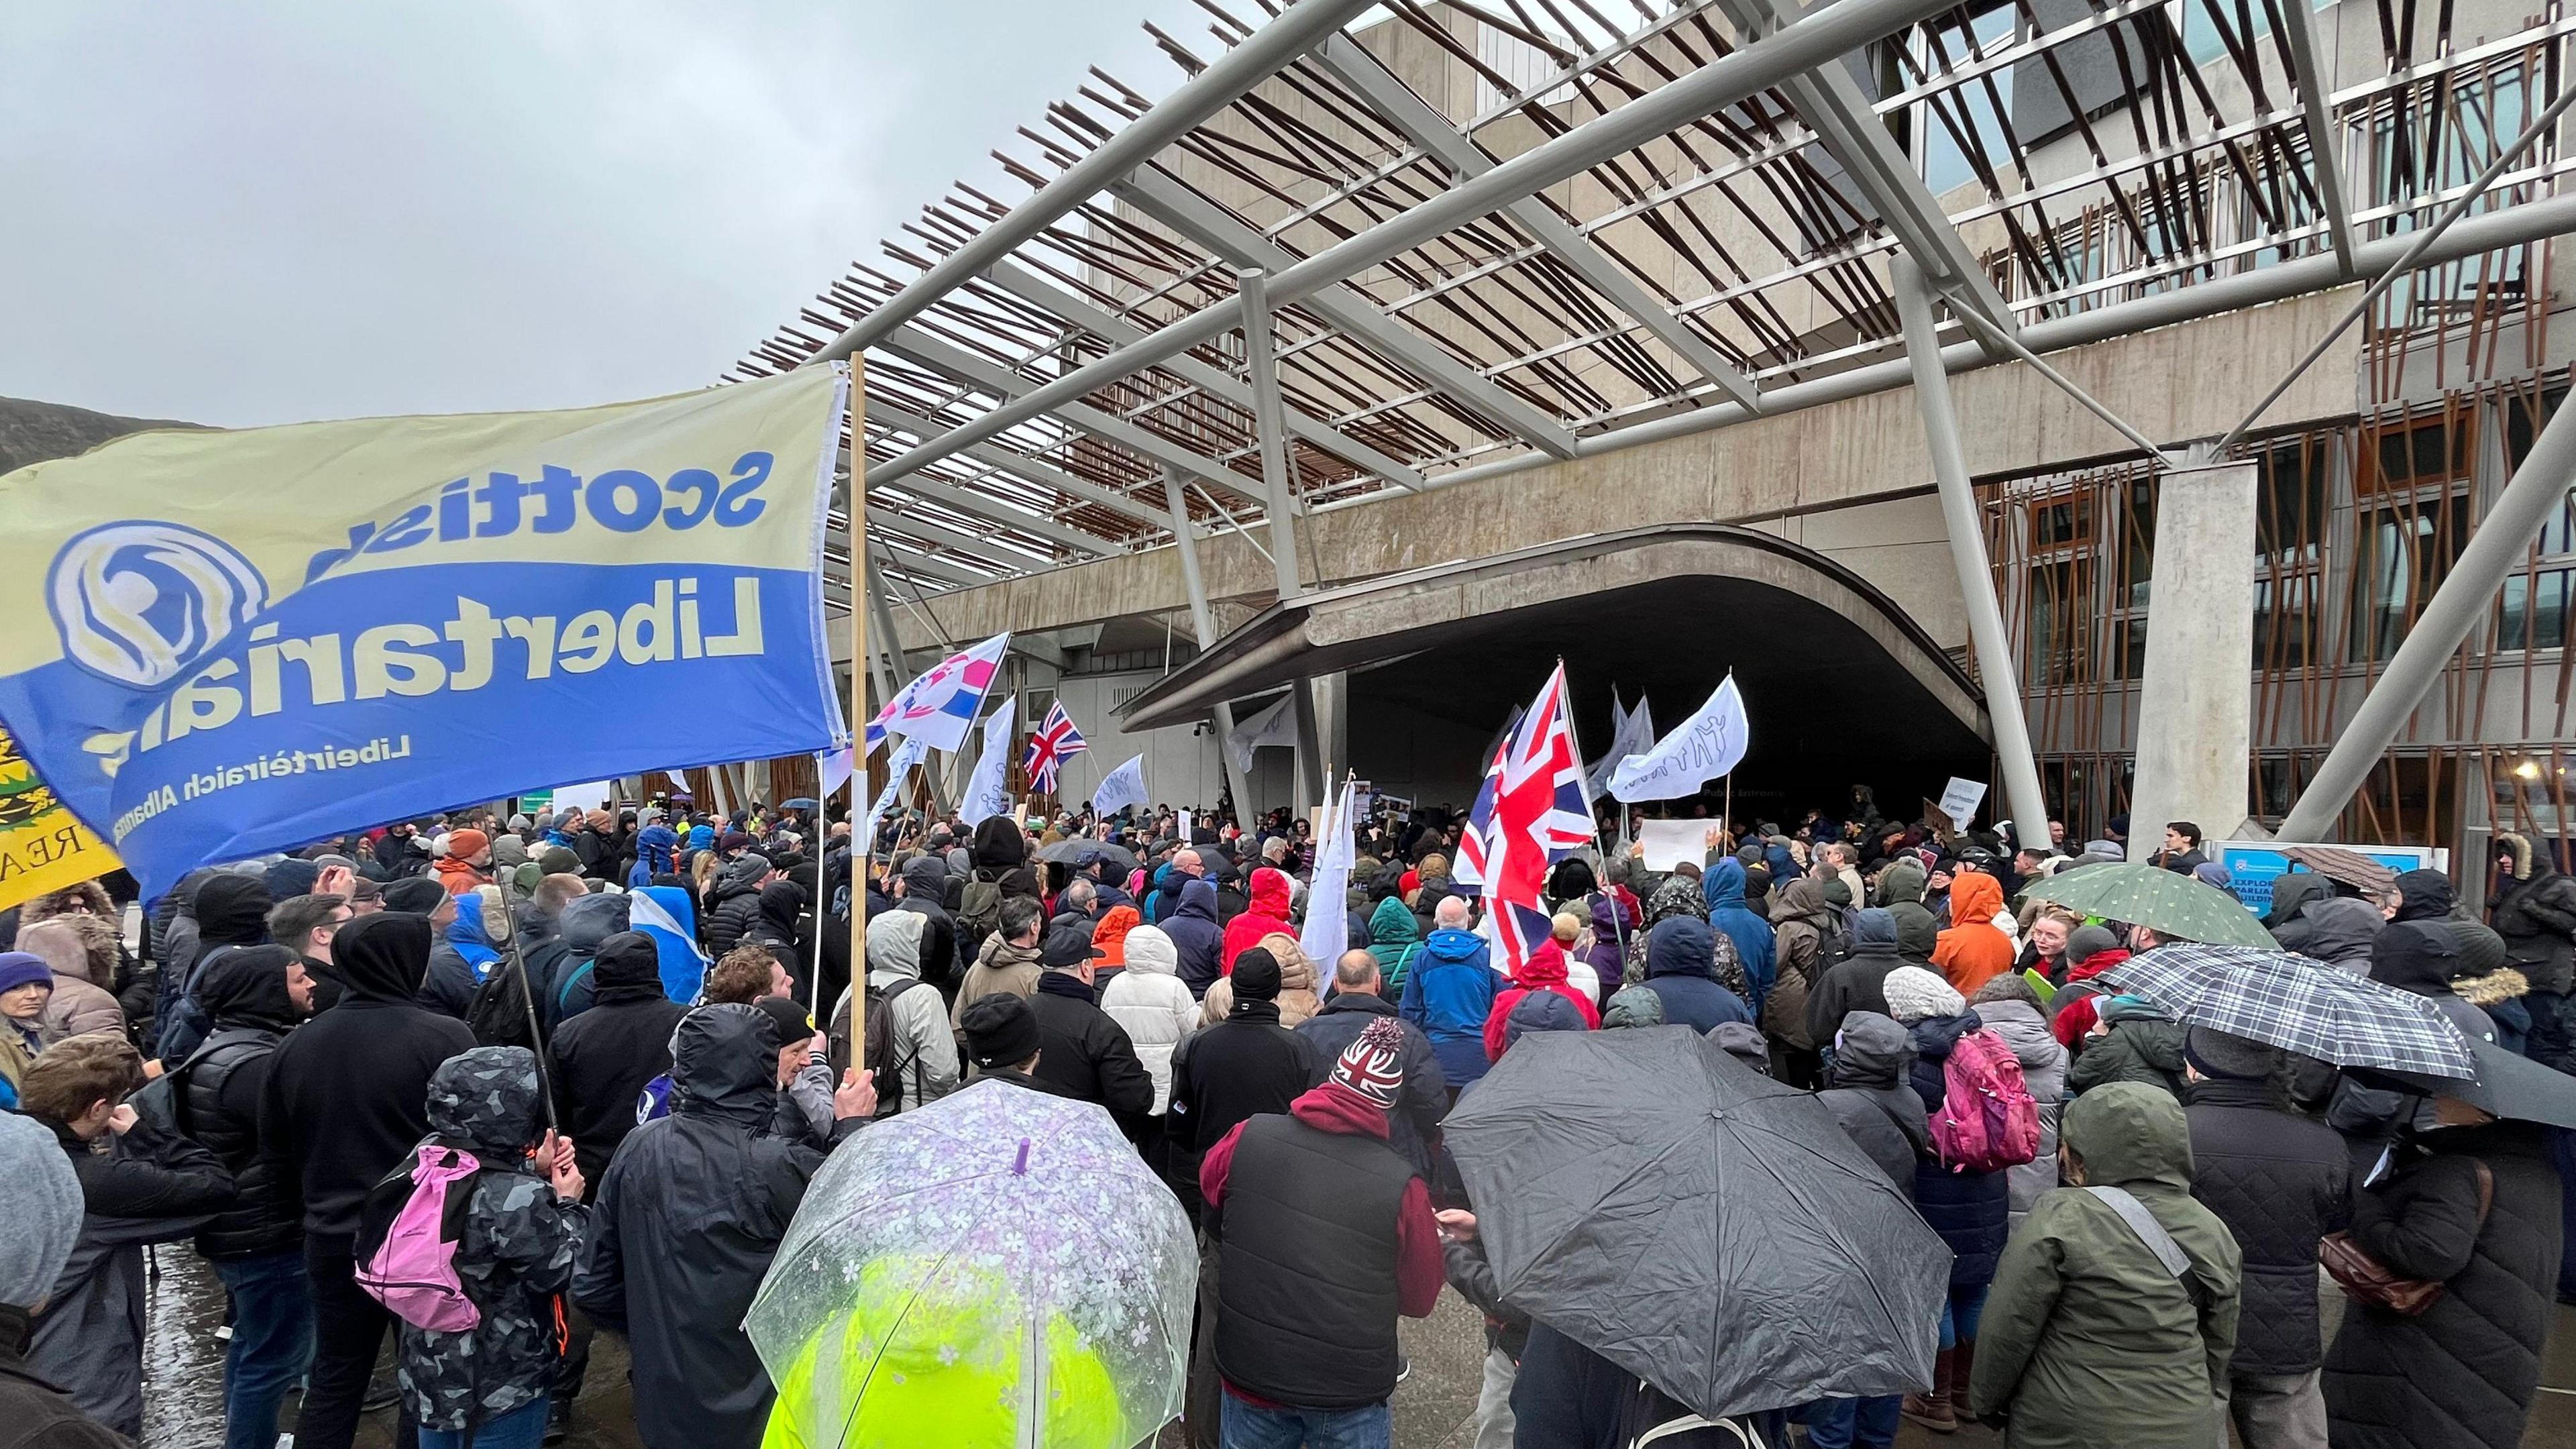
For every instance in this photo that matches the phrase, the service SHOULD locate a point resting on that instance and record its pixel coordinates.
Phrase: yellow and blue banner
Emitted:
(233, 642)
(42, 847)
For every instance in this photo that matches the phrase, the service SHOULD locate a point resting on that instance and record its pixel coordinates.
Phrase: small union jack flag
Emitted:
(1054, 741)
(1530, 814)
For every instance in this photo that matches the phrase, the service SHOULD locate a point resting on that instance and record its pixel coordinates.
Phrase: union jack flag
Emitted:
(1530, 813)
(1054, 741)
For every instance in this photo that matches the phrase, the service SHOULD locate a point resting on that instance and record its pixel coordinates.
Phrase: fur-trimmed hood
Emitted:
(2494, 988)
(2520, 848)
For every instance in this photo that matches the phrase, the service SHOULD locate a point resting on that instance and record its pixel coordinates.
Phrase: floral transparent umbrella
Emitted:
(997, 1269)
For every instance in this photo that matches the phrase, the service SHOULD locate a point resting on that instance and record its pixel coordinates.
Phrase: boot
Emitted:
(1932, 1410)
(1962, 1364)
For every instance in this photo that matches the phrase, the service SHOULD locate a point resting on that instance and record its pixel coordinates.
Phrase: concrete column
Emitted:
(1203, 625)
(2495, 550)
(1959, 516)
(2195, 706)
(1310, 750)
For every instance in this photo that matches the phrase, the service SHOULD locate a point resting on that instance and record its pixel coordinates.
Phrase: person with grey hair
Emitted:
(44, 1223)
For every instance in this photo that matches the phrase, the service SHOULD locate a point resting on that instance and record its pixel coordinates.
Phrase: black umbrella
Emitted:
(2508, 1085)
(1082, 851)
(1718, 1236)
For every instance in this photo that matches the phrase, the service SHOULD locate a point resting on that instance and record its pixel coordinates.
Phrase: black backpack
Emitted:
(879, 1029)
(498, 1015)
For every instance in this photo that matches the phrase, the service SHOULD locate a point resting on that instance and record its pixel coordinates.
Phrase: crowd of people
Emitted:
(623, 1043)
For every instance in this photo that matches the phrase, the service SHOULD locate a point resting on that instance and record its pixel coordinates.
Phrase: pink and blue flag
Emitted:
(939, 707)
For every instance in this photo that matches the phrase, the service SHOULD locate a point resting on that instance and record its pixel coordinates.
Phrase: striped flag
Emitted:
(940, 706)
(1053, 742)
(1530, 814)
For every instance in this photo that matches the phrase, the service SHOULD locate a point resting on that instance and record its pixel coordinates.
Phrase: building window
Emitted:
(2406, 549)
(2128, 617)
(2289, 539)
(2062, 605)
(2537, 607)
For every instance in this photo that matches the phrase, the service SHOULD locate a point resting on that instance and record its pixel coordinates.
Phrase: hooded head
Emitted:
(1914, 994)
(1874, 928)
(1803, 899)
(508, 853)
(1000, 845)
(894, 942)
(1270, 893)
(232, 910)
(1151, 952)
(1681, 946)
(1975, 896)
(724, 1065)
(81, 948)
(1871, 1051)
(1393, 924)
(1110, 934)
(2422, 895)
(382, 957)
(588, 920)
(468, 933)
(782, 909)
(2129, 1132)
(1633, 1006)
(1677, 896)
(1744, 1042)
(1544, 967)
(2294, 892)
(925, 880)
(2417, 956)
(2341, 930)
(486, 1098)
(45, 1212)
(1198, 901)
(290, 878)
(246, 991)
(1723, 886)
(1541, 1011)
(1903, 880)
(628, 968)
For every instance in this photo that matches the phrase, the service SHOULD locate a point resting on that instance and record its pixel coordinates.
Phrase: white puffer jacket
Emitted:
(1149, 1001)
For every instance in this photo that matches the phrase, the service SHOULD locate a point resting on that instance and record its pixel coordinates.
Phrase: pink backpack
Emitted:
(1987, 1118)
(412, 1267)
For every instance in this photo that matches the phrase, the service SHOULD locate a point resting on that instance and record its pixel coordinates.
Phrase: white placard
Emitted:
(1670, 842)
(1960, 800)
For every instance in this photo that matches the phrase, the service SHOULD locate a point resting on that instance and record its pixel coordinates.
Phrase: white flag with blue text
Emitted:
(988, 790)
(1124, 786)
(1708, 744)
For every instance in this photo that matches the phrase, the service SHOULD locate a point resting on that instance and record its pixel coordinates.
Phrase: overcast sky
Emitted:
(255, 213)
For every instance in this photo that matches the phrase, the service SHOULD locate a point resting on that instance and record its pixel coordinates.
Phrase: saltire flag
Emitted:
(1530, 813)
(1053, 742)
(940, 707)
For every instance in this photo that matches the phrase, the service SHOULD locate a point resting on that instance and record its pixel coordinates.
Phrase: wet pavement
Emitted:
(1435, 1407)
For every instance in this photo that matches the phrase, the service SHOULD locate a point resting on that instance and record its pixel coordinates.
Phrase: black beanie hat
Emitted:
(1256, 976)
(1000, 1030)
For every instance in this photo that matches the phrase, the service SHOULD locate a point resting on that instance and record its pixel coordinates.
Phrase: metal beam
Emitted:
(2497, 549)
(913, 559)
(1355, 66)
(1118, 332)
(1203, 627)
(2324, 156)
(1843, 118)
(1261, 364)
(1242, 245)
(994, 455)
(933, 531)
(957, 362)
(1232, 76)
(1815, 40)
(1997, 670)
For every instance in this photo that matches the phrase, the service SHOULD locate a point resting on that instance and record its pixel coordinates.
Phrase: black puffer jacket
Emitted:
(925, 893)
(2279, 1181)
(219, 1091)
(685, 1222)
(604, 1056)
(2292, 894)
(1085, 1055)
(2464, 1372)
(1868, 1094)
(2534, 909)
(733, 906)
(2338, 932)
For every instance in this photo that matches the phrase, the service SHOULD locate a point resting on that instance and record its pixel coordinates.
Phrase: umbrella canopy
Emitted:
(2151, 896)
(2508, 1084)
(1718, 1236)
(801, 802)
(2290, 1001)
(2350, 867)
(996, 1270)
(1082, 850)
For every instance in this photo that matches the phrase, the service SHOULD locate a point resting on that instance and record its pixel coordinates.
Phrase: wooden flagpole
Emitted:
(859, 849)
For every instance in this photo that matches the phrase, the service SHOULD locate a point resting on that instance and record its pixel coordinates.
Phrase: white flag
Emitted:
(1276, 725)
(1632, 732)
(988, 790)
(911, 752)
(1708, 744)
(1327, 933)
(1124, 786)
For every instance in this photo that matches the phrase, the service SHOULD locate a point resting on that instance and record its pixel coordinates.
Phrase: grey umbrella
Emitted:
(1082, 851)
(1717, 1236)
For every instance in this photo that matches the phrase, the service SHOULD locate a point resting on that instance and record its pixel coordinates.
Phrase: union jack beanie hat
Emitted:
(1373, 1066)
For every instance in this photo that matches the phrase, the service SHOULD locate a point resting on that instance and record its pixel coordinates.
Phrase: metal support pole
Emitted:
(889, 654)
(1203, 626)
(1261, 366)
(2494, 551)
(2325, 158)
(1959, 515)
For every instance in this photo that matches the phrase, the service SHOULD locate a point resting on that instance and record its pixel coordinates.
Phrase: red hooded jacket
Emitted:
(1266, 915)
(1543, 971)
(2077, 1014)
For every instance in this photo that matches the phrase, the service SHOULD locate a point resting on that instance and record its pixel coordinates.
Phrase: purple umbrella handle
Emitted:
(1021, 1167)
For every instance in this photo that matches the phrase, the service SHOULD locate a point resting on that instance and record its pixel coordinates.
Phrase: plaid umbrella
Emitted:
(2305, 1006)
(2152, 896)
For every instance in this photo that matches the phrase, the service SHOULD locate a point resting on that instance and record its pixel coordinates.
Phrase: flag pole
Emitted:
(858, 707)
(822, 897)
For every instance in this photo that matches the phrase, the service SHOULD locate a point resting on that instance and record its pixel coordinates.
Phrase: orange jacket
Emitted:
(1972, 952)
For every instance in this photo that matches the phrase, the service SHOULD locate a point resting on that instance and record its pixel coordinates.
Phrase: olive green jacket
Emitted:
(2087, 1339)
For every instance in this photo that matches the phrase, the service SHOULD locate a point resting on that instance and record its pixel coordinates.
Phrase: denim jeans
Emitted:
(272, 1343)
(1852, 1423)
(1249, 1427)
(521, 1428)
(1961, 1312)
